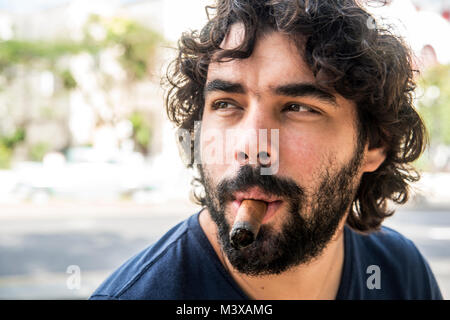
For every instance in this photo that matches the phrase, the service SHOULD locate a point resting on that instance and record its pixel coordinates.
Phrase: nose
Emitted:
(262, 157)
(256, 142)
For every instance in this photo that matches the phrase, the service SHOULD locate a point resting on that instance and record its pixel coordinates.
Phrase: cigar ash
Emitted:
(247, 223)
(242, 235)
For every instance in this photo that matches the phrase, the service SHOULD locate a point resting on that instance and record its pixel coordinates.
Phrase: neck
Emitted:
(318, 279)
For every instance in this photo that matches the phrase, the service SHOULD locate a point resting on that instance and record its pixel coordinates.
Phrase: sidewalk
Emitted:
(77, 209)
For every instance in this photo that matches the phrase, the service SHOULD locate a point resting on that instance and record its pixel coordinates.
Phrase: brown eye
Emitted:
(295, 107)
(224, 105)
(220, 105)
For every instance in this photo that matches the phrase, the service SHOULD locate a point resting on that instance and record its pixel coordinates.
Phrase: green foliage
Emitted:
(5, 156)
(38, 151)
(434, 104)
(68, 80)
(12, 140)
(137, 42)
(137, 46)
(7, 145)
(26, 52)
(142, 131)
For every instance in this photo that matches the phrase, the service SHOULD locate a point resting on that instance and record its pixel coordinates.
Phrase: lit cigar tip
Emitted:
(247, 223)
(241, 237)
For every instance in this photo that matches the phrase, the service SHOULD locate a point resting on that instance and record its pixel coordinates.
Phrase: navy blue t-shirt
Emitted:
(183, 265)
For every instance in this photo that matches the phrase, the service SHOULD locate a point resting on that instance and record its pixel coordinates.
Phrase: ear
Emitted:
(373, 158)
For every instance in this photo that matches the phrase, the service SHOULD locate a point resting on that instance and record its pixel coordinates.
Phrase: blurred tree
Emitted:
(142, 131)
(137, 43)
(7, 145)
(68, 80)
(137, 46)
(434, 102)
(5, 156)
(434, 106)
(14, 52)
(38, 151)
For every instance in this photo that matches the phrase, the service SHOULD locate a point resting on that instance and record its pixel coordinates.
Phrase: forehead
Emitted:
(275, 60)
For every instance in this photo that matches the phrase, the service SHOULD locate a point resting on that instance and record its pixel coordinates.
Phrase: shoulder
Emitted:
(151, 273)
(388, 242)
(404, 272)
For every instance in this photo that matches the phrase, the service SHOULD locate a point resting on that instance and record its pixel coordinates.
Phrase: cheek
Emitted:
(304, 156)
(214, 156)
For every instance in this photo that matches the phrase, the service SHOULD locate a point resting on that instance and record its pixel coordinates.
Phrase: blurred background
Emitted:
(89, 169)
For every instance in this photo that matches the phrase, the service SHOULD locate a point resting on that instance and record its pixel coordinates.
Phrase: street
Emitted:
(41, 246)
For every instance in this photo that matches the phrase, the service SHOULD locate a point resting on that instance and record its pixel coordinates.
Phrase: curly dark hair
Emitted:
(361, 61)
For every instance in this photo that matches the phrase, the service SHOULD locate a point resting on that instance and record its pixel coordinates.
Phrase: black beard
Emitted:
(302, 237)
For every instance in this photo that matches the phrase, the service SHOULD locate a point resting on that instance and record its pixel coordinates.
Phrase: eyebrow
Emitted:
(305, 89)
(223, 85)
(290, 90)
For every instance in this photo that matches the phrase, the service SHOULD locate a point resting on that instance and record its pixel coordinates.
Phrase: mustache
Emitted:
(248, 177)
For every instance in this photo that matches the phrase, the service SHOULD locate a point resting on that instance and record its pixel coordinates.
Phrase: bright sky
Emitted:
(30, 5)
(418, 27)
(27, 5)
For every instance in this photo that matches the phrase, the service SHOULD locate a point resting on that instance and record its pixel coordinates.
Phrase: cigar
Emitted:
(247, 223)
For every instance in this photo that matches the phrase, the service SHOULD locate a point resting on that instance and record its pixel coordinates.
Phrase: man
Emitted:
(331, 95)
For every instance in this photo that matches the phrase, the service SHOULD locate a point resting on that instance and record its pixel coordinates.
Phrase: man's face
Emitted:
(318, 155)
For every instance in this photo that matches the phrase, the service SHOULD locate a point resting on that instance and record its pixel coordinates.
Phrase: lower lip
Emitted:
(272, 209)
